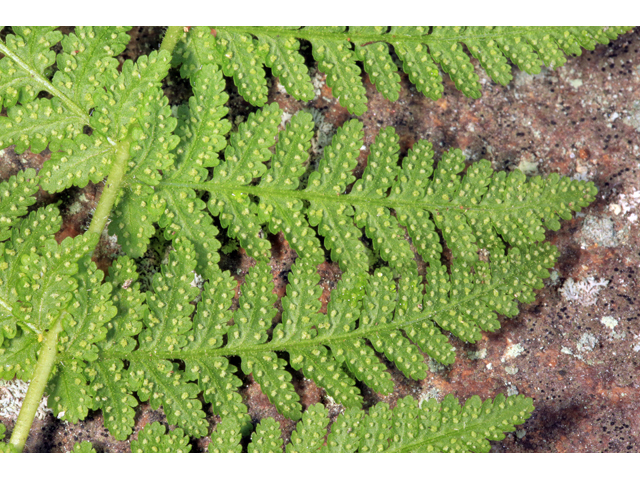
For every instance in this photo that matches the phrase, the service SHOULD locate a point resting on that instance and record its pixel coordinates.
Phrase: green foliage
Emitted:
(481, 209)
(423, 427)
(154, 439)
(83, 447)
(171, 344)
(4, 447)
(243, 52)
(184, 174)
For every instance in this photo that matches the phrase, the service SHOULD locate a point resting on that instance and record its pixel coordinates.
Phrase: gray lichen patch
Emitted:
(587, 342)
(609, 322)
(633, 119)
(512, 351)
(599, 232)
(510, 370)
(12, 395)
(435, 367)
(584, 292)
(477, 354)
(428, 394)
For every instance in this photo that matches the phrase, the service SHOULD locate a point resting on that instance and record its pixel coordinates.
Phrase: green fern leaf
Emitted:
(210, 324)
(250, 326)
(79, 161)
(154, 438)
(88, 62)
(197, 50)
(16, 194)
(69, 394)
(242, 51)
(83, 447)
(378, 63)
(343, 437)
(26, 236)
(416, 61)
(4, 447)
(121, 104)
(30, 46)
(287, 215)
(138, 208)
(108, 378)
(481, 209)
(19, 356)
(38, 124)
(248, 149)
(338, 61)
(332, 348)
(409, 427)
(158, 380)
(89, 312)
(267, 437)
(226, 438)
(150, 156)
(24, 72)
(202, 130)
(288, 65)
(45, 283)
(310, 431)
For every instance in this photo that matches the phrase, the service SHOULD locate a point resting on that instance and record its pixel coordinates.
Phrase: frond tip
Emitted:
(401, 208)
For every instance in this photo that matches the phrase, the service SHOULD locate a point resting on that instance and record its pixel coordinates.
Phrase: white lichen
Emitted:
(285, 117)
(609, 322)
(584, 292)
(318, 80)
(598, 231)
(477, 355)
(197, 281)
(512, 351)
(587, 342)
(627, 203)
(12, 395)
(432, 392)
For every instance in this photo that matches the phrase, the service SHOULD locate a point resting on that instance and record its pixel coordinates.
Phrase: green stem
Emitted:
(119, 168)
(112, 187)
(171, 38)
(36, 388)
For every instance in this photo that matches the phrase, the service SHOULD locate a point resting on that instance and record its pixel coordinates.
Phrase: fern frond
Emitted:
(153, 438)
(108, 379)
(88, 62)
(83, 447)
(242, 53)
(4, 447)
(481, 209)
(176, 357)
(150, 156)
(202, 130)
(85, 66)
(87, 90)
(31, 46)
(409, 427)
(16, 194)
(116, 341)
